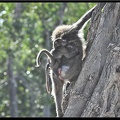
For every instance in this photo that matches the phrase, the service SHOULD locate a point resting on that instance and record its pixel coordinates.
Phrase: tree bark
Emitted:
(96, 92)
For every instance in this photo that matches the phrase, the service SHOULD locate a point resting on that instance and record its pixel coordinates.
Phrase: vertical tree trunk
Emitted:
(11, 78)
(97, 90)
(18, 9)
(12, 87)
(61, 13)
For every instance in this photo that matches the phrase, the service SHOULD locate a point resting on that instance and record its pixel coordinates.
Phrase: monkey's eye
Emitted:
(56, 43)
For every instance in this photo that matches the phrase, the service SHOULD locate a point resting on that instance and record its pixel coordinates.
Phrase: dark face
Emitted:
(60, 42)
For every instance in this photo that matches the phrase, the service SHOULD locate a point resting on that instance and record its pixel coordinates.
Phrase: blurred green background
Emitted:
(25, 29)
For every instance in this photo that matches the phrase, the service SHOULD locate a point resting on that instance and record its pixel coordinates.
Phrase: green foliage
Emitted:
(24, 38)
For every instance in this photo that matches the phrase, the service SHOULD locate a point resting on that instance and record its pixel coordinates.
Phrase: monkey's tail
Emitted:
(39, 56)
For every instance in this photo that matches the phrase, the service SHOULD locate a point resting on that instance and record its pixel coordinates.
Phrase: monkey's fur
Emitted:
(65, 59)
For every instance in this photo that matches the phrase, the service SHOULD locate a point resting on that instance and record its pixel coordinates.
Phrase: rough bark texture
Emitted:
(96, 93)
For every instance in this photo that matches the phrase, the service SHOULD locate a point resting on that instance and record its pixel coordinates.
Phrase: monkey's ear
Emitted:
(57, 43)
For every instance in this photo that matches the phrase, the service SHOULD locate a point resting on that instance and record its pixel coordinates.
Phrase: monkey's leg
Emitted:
(58, 91)
(65, 98)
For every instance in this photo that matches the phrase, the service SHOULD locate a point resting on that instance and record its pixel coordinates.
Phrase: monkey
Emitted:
(65, 59)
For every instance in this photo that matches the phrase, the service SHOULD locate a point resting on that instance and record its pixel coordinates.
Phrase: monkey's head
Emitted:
(57, 33)
(64, 34)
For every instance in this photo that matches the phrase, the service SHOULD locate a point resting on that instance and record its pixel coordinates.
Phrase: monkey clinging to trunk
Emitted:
(65, 59)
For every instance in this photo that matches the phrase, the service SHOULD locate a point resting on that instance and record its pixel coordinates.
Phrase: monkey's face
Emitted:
(60, 42)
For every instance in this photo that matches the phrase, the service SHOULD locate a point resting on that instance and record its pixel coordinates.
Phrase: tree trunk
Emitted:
(12, 88)
(12, 84)
(96, 93)
(61, 13)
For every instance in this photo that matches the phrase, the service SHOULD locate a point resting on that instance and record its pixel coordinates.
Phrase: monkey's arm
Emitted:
(79, 24)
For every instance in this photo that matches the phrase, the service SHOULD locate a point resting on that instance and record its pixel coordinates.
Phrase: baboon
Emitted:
(65, 59)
